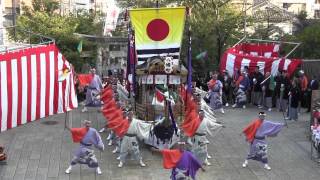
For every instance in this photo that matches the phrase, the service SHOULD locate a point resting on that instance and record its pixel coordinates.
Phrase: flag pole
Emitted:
(133, 70)
(189, 59)
(128, 57)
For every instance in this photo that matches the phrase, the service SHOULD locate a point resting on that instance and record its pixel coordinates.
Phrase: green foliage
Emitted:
(310, 42)
(215, 27)
(43, 18)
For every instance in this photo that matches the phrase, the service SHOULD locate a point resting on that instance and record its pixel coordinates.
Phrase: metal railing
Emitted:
(245, 39)
(43, 40)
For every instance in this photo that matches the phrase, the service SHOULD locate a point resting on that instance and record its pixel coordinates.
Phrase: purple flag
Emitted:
(128, 61)
(133, 61)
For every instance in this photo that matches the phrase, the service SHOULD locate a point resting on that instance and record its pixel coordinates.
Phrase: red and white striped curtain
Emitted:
(29, 86)
(263, 55)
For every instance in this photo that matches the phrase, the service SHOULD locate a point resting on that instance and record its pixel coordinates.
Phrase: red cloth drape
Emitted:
(170, 158)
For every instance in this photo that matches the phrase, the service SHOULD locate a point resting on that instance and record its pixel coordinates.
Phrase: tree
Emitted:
(215, 27)
(309, 38)
(144, 3)
(42, 18)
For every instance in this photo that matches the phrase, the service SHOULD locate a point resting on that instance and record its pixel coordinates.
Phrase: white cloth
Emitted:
(208, 127)
(123, 93)
(207, 111)
(142, 129)
(199, 141)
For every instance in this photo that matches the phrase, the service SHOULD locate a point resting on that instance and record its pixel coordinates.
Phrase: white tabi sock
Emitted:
(68, 171)
(267, 167)
(98, 170)
(120, 164)
(142, 164)
(115, 150)
(206, 162)
(245, 164)
(101, 130)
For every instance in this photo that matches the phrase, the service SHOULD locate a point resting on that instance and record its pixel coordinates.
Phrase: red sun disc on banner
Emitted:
(158, 29)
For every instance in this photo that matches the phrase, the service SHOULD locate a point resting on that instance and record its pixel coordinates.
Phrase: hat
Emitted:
(86, 122)
(262, 113)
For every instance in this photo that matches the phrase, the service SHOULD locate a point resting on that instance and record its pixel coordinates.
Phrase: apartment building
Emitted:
(312, 7)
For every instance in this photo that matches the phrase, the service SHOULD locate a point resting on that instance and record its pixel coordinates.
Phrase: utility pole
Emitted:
(245, 18)
(1, 24)
(14, 15)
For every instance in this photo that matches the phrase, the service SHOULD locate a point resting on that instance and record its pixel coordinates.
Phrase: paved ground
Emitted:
(42, 152)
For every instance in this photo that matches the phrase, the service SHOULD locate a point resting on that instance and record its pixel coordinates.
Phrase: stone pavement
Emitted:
(42, 152)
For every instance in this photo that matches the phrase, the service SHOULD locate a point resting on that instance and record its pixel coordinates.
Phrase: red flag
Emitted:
(85, 79)
(122, 128)
(78, 134)
(110, 104)
(191, 124)
(106, 95)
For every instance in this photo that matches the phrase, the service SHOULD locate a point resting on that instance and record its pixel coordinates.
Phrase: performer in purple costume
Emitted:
(84, 154)
(187, 166)
(258, 147)
(93, 91)
(183, 163)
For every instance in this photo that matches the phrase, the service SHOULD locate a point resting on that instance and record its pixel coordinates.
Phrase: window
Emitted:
(285, 6)
(317, 14)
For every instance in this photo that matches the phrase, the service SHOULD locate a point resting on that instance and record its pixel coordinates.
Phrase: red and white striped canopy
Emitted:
(29, 86)
(266, 56)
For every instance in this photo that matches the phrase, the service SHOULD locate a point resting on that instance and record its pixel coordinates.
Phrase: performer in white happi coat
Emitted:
(199, 141)
(203, 105)
(129, 143)
(84, 154)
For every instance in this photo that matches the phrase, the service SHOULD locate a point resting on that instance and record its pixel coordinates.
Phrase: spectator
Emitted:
(303, 86)
(257, 89)
(282, 89)
(226, 81)
(313, 85)
(294, 96)
(267, 91)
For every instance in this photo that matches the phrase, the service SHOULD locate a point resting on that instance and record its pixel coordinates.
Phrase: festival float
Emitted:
(156, 79)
